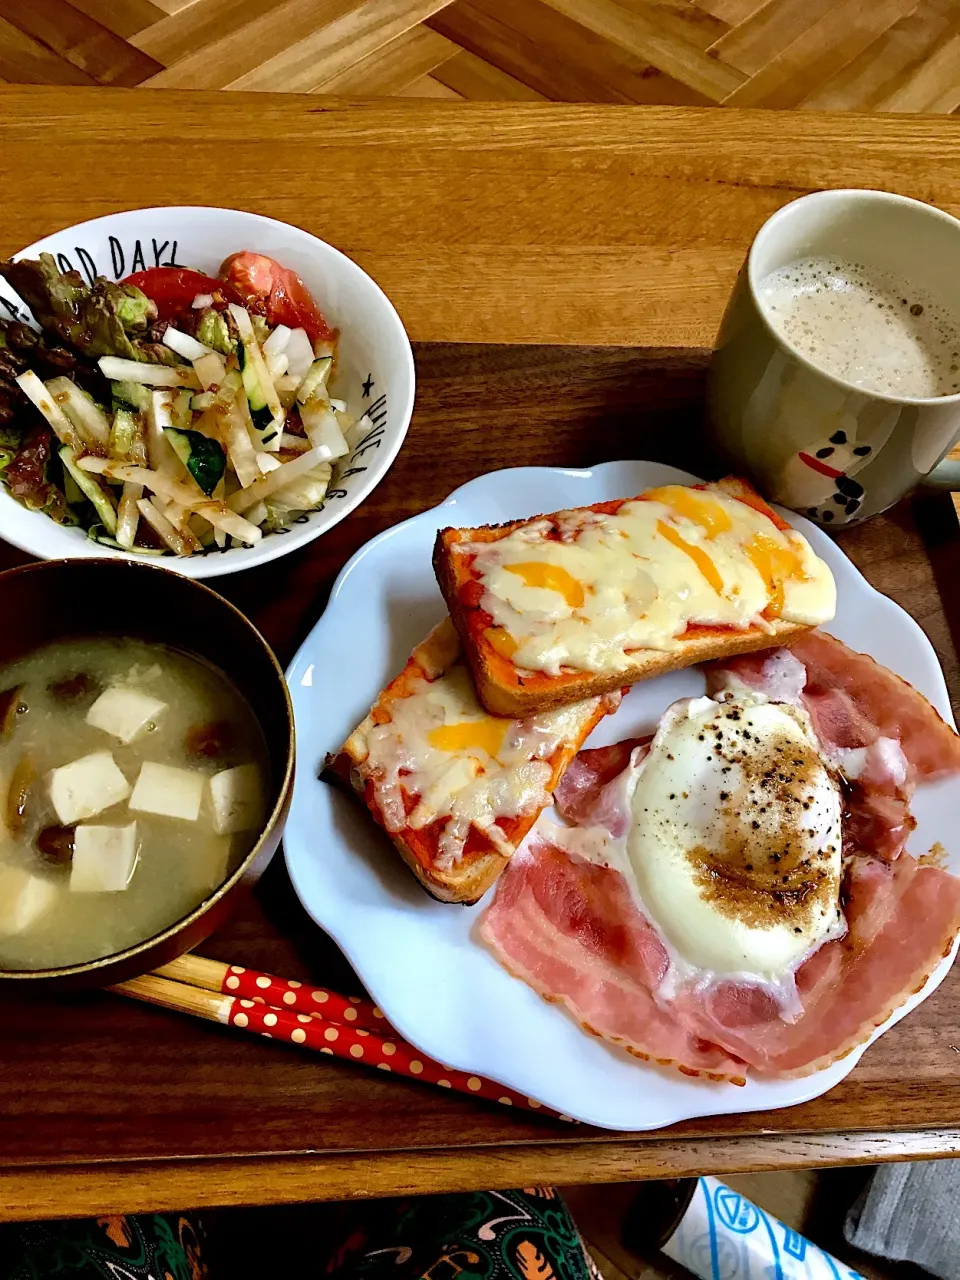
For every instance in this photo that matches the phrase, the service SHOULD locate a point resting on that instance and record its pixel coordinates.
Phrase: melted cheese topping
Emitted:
(584, 590)
(458, 763)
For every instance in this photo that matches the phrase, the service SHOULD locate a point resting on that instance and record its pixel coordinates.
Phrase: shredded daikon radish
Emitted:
(150, 375)
(266, 485)
(159, 522)
(128, 514)
(210, 369)
(220, 515)
(37, 393)
(184, 345)
(277, 340)
(89, 420)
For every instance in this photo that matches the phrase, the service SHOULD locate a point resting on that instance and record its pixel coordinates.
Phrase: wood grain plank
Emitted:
(81, 40)
(124, 18)
(641, 35)
(934, 86)
(174, 6)
(429, 87)
(836, 39)
(556, 55)
(666, 200)
(214, 42)
(95, 1190)
(732, 11)
(887, 63)
(393, 67)
(681, 20)
(753, 43)
(24, 60)
(335, 44)
(179, 34)
(480, 81)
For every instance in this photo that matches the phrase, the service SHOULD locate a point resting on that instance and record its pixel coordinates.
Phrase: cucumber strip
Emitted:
(101, 500)
(317, 376)
(204, 458)
(123, 433)
(72, 491)
(133, 394)
(251, 385)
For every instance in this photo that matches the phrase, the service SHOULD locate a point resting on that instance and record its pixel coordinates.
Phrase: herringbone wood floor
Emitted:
(886, 55)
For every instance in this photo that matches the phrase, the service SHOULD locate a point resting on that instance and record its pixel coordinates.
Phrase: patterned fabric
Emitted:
(483, 1235)
(146, 1247)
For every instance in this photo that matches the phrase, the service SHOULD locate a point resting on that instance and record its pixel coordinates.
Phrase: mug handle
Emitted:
(945, 475)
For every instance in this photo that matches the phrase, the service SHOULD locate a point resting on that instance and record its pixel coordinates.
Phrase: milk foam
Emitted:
(865, 326)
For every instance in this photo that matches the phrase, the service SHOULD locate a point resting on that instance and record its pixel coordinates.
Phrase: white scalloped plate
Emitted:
(420, 959)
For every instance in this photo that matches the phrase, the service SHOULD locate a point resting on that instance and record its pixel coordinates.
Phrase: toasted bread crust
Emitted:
(477, 870)
(465, 883)
(507, 690)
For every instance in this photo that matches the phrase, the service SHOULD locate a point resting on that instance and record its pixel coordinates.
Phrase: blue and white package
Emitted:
(724, 1236)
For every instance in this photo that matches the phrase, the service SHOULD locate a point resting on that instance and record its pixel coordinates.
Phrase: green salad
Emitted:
(171, 412)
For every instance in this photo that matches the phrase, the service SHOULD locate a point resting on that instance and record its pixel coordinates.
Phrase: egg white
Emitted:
(735, 844)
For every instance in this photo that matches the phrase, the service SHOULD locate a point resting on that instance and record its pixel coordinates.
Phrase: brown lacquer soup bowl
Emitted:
(42, 605)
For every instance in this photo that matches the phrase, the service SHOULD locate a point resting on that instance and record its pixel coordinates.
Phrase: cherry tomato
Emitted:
(173, 289)
(276, 292)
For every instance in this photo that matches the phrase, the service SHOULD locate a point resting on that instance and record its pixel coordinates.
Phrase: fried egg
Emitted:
(735, 841)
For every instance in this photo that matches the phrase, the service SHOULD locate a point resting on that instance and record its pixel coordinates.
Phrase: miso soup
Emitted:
(133, 780)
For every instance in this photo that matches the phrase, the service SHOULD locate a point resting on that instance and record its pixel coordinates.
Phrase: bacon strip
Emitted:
(852, 700)
(571, 931)
(586, 795)
(856, 706)
(902, 921)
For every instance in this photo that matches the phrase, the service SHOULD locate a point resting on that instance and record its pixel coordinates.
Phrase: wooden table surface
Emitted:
(616, 229)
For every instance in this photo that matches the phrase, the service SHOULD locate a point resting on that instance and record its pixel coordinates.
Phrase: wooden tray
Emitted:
(108, 1105)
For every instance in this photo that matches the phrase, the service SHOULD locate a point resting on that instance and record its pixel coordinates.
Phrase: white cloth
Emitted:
(911, 1213)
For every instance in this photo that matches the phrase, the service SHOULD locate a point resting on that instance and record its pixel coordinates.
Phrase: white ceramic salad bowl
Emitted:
(375, 376)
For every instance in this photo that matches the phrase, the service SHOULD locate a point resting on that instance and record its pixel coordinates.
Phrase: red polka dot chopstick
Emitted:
(348, 1027)
(264, 988)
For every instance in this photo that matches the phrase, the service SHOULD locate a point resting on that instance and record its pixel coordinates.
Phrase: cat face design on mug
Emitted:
(819, 479)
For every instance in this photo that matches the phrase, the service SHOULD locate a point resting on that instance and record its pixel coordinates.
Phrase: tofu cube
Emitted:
(169, 792)
(86, 787)
(124, 712)
(24, 898)
(104, 858)
(236, 799)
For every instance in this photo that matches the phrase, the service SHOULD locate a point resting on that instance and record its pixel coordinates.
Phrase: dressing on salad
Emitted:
(173, 411)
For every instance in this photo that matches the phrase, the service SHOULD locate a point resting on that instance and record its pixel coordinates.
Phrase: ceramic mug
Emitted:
(811, 440)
